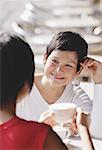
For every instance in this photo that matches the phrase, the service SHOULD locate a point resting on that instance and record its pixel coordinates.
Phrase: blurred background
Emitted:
(38, 20)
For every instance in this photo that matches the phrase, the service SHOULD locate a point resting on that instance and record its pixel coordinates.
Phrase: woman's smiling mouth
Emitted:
(57, 77)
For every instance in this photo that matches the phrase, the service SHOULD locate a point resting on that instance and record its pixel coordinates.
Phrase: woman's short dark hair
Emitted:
(69, 41)
(16, 68)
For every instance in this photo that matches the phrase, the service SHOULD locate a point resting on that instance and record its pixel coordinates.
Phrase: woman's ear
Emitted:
(44, 57)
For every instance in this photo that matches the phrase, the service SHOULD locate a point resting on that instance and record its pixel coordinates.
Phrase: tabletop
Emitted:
(74, 143)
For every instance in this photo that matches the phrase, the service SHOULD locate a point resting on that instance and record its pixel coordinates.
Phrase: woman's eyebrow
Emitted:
(67, 61)
(71, 61)
(54, 57)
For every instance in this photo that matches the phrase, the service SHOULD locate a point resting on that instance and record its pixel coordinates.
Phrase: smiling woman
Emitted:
(62, 60)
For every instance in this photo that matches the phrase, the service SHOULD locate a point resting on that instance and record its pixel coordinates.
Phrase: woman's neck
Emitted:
(50, 93)
(5, 116)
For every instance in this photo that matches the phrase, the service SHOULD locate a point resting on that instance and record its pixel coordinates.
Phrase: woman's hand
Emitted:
(80, 120)
(48, 117)
(93, 68)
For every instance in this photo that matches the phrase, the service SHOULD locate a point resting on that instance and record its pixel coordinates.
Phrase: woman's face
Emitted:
(60, 67)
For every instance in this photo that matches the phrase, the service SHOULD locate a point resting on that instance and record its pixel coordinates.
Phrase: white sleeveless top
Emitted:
(31, 107)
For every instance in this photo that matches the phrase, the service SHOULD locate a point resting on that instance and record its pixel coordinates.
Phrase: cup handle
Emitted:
(44, 115)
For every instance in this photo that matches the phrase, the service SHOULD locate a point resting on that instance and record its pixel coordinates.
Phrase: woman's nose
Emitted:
(59, 68)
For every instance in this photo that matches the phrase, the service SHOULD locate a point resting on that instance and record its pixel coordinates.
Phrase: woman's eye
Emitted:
(69, 65)
(54, 61)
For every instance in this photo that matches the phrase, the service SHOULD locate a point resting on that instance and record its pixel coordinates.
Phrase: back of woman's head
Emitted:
(16, 68)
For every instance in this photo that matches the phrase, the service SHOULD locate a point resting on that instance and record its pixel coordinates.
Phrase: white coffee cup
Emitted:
(64, 112)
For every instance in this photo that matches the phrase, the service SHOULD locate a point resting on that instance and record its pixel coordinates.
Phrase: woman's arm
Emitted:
(85, 138)
(83, 131)
(53, 142)
(94, 70)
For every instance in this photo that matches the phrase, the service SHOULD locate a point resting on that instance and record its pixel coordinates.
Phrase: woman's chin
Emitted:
(57, 82)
